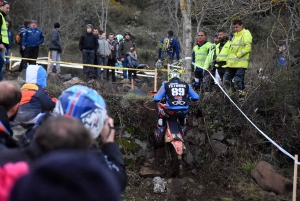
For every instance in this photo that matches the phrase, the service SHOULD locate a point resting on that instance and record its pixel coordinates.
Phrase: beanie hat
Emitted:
(22, 27)
(56, 25)
(89, 26)
(71, 175)
(127, 33)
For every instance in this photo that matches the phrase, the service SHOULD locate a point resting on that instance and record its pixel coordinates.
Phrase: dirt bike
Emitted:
(172, 141)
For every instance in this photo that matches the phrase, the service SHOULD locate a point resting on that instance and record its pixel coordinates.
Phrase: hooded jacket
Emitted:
(35, 99)
(55, 42)
(104, 48)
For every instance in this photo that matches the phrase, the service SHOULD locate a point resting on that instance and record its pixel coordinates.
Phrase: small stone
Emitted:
(159, 185)
(147, 183)
(194, 172)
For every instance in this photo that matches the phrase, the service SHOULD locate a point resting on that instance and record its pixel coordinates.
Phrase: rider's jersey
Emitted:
(176, 93)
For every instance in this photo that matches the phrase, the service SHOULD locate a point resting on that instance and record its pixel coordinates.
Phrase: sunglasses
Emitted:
(200, 35)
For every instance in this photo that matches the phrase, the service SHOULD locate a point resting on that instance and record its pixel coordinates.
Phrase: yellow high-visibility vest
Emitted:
(4, 33)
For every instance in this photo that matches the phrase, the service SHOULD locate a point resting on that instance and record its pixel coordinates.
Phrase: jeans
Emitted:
(7, 54)
(1, 64)
(125, 72)
(55, 56)
(238, 74)
(102, 62)
(88, 57)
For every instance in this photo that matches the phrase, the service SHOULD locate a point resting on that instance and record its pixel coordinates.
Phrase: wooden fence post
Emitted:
(295, 178)
(155, 80)
(48, 66)
(10, 62)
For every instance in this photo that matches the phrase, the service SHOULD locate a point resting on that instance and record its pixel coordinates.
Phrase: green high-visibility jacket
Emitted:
(210, 56)
(201, 54)
(223, 54)
(240, 48)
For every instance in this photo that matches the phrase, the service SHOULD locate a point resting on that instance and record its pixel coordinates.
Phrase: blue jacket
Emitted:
(162, 92)
(10, 38)
(174, 45)
(32, 37)
(35, 99)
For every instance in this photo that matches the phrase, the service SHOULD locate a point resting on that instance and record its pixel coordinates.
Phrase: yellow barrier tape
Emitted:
(87, 65)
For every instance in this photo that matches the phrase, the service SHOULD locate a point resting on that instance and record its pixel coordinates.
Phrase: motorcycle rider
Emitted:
(176, 93)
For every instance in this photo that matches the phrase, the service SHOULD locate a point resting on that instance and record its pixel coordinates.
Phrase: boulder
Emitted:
(175, 187)
(219, 135)
(159, 185)
(125, 81)
(73, 81)
(137, 92)
(148, 172)
(268, 179)
(219, 148)
(66, 77)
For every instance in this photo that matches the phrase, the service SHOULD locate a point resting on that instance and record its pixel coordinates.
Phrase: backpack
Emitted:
(167, 45)
(18, 38)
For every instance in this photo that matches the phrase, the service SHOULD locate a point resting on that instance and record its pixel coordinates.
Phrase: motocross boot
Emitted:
(182, 130)
(160, 133)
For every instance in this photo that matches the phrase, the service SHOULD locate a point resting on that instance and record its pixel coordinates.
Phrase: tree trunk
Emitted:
(187, 30)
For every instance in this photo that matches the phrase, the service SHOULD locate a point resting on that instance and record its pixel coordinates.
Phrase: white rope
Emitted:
(268, 138)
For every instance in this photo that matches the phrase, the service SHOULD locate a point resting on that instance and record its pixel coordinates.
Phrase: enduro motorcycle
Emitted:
(172, 141)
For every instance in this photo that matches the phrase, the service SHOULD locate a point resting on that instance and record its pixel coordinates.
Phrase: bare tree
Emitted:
(187, 36)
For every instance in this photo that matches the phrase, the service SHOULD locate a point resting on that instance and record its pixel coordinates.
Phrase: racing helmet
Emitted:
(174, 73)
(84, 104)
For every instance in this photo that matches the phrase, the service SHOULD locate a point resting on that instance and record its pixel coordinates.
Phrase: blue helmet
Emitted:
(84, 104)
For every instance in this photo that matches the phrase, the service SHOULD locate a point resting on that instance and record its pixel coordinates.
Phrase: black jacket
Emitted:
(6, 140)
(110, 155)
(88, 41)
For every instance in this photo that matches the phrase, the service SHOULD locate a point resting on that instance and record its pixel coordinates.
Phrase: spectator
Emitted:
(238, 58)
(63, 176)
(19, 37)
(279, 55)
(132, 62)
(124, 48)
(55, 48)
(9, 174)
(4, 41)
(168, 47)
(102, 55)
(218, 63)
(88, 45)
(35, 99)
(10, 44)
(32, 39)
(9, 104)
(57, 134)
(96, 33)
(200, 52)
(112, 58)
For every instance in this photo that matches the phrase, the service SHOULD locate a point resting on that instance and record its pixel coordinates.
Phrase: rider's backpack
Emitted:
(168, 44)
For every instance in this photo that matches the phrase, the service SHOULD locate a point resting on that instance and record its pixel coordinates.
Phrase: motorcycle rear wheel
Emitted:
(173, 160)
